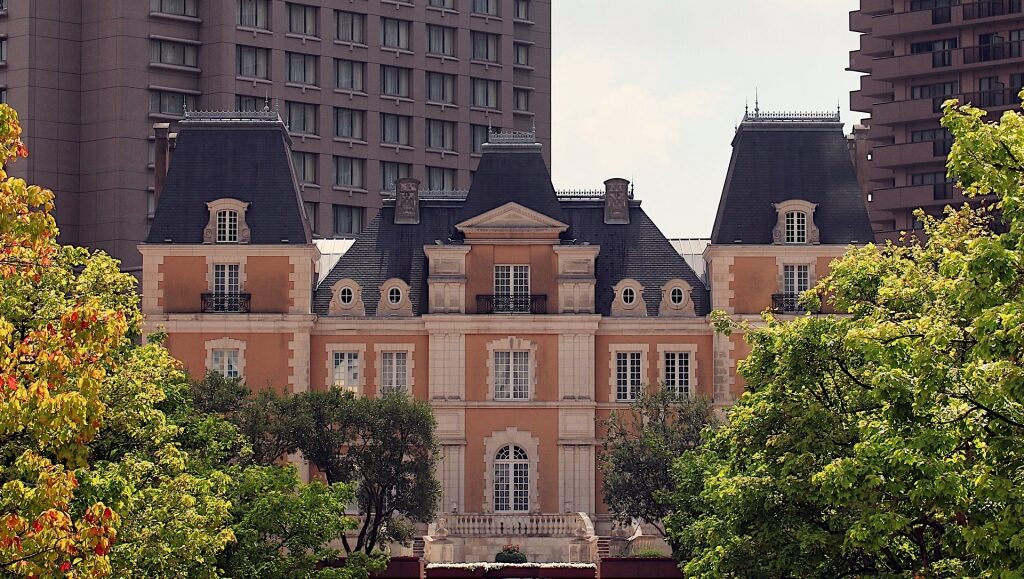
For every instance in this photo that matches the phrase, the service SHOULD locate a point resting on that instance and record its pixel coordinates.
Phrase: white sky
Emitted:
(650, 90)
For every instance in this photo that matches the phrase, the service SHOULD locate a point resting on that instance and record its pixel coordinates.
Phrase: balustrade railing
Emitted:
(525, 525)
(231, 303)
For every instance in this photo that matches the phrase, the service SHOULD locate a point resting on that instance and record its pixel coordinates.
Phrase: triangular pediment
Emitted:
(511, 217)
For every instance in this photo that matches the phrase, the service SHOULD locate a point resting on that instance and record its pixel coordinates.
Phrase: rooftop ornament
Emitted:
(511, 137)
(265, 115)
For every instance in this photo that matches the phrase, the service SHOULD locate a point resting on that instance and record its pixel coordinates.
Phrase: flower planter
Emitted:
(640, 568)
(510, 571)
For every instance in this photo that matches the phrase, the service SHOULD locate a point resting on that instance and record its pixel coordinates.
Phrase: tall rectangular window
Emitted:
(160, 51)
(301, 19)
(349, 75)
(301, 117)
(351, 26)
(489, 7)
(440, 135)
(628, 376)
(511, 375)
(302, 68)
(225, 361)
(348, 220)
(305, 166)
(178, 7)
(479, 136)
(522, 54)
(394, 371)
(520, 99)
(440, 40)
(225, 279)
(394, 129)
(677, 373)
(485, 46)
(170, 103)
(346, 371)
(522, 9)
(796, 227)
(253, 13)
(310, 208)
(245, 103)
(440, 87)
(348, 172)
(485, 93)
(440, 179)
(394, 33)
(394, 81)
(796, 279)
(512, 280)
(348, 123)
(251, 61)
(391, 172)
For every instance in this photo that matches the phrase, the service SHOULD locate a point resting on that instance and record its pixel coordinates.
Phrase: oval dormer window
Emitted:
(628, 296)
(346, 296)
(227, 226)
(676, 296)
(796, 227)
(395, 296)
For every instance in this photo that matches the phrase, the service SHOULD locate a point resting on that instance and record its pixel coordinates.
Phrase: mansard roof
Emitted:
(778, 157)
(244, 156)
(637, 250)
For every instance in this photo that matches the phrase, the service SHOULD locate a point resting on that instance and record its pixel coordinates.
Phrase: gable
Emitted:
(511, 220)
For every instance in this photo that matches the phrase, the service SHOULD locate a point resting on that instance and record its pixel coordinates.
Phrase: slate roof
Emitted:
(245, 158)
(638, 250)
(777, 159)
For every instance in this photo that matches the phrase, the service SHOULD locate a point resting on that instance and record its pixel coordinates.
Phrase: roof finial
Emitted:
(757, 103)
(746, 107)
(266, 101)
(490, 129)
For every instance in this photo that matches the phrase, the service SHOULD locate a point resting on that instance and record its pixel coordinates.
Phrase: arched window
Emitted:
(796, 227)
(227, 226)
(511, 480)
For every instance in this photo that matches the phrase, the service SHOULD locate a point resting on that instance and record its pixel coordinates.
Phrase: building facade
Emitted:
(523, 316)
(916, 54)
(372, 91)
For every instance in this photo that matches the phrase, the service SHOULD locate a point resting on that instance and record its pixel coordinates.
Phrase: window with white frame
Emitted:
(346, 369)
(511, 375)
(796, 227)
(511, 480)
(225, 361)
(795, 279)
(677, 373)
(394, 371)
(227, 226)
(628, 376)
(512, 280)
(226, 279)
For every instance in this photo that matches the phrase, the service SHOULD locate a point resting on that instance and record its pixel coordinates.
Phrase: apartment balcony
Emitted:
(511, 304)
(860, 21)
(876, 6)
(861, 102)
(915, 196)
(874, 88)
(860, 62)
(907, 111)
(993, 52)
(872, 45)
(915, 64)
(889, 156)
(229, 303)
(991, 9)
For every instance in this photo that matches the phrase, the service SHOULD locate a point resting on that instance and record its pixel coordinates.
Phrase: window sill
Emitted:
(443, 152)
(303, 37)
(302, 137)
(443, 106)
(523, 21)
(351, 44)
(397, 51)
(487, 110)
(302, 87)
(476, 155)
(398, 99)
(255, 81)
(304, 186)
(349, 190)
(176, 17)
(486, 17)
(527, 67)
(397, 147)
(485, 63)
(255, 31)
(442, 57)
(351, 142)
(351, 93)
(164, 116)
(524, 113)
(443, 11)
(175, 67)
(398, 4)
(177, 39)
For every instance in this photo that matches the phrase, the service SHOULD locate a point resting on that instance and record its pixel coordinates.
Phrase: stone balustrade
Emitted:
(524, 525)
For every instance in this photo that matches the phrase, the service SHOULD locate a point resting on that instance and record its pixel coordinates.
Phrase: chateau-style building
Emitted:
(523, 316)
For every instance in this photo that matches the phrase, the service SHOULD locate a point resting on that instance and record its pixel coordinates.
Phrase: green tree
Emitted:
(386, 445)
(888, 442)
(640, 446)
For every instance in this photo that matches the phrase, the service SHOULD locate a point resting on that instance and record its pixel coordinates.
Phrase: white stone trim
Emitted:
(576, 366)
(446, 282)
(810, 261)
(801, 206)
(303, 272)
(346, 348)
(152, 282)
(724, 364)
(615, 349)
(298, 362)
(337, 308)
(516, 345)
(512, 217)
(576, 471)
(690, 349)
(237, 259)
(226, 344)
(452, 476)
(576, 278)
(494, 443)
(638, 309)
(667, 309)
(384, 306)
(226, 204)
(447, 366)
(409, 366)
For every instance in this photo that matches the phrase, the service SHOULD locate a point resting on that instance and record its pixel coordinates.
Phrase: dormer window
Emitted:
(395, 296)
(628, 296)
(796, 227)
(346, 295)
(227, 226)
(227, 222)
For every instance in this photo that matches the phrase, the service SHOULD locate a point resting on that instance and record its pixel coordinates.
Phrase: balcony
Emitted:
(889, 156)
(991, 8)
(914, 196)
(787, 303)
(993, 52)
(233, 303)
(511, 304)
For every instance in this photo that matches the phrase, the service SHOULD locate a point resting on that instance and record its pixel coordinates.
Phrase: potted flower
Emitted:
(510, 554)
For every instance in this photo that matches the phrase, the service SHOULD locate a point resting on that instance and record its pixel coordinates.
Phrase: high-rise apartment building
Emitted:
(372, 91)
(916, 54)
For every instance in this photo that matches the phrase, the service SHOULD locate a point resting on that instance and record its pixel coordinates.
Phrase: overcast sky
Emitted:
(650, 90)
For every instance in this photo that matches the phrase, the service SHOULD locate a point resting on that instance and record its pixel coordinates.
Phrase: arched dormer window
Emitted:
(227, 222)
(795, 225)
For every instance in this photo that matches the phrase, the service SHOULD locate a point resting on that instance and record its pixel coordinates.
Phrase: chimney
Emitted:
(162, 158)
(407, 201)
(616, 202)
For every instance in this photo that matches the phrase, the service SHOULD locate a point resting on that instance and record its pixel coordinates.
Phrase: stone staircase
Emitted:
(418, 547)
(603, 547)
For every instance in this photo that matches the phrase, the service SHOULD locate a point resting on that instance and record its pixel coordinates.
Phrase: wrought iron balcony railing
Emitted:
(234, 303)
(511, 304)
(788, 303)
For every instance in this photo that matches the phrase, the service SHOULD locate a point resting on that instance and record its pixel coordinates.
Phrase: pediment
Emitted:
(511, 217)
